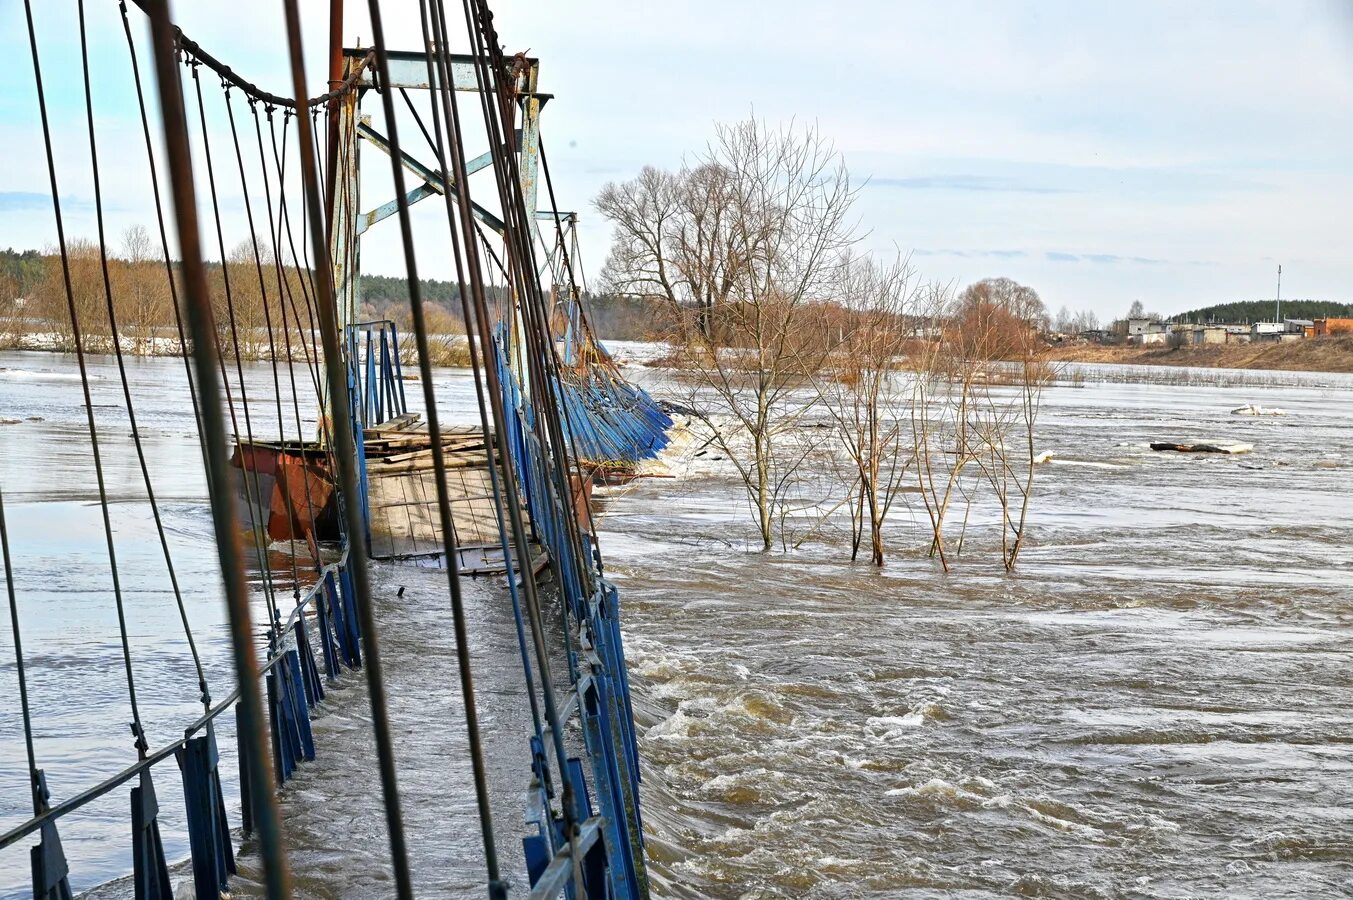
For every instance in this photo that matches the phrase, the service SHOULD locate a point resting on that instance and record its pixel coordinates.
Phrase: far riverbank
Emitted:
(1328, 354)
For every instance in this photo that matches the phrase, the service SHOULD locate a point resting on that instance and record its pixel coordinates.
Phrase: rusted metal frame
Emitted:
(408, 69)
(348, 461)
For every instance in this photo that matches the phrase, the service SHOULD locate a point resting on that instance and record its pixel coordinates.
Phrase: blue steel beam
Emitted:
(429, 176)
(386, 210)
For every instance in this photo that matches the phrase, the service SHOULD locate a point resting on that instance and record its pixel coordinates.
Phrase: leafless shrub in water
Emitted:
(975, 403)
(864, 393)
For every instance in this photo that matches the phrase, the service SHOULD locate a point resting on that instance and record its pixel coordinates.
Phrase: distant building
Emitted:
(1209, 334)
(1144, 326)
(1325, 327)
(1147, 331)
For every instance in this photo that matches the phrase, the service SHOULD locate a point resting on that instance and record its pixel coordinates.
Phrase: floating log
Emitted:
(1205, 447)
(1253, 409)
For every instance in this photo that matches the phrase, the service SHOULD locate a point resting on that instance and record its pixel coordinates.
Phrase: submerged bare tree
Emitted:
(1003, 422)
(866, 395)
(977, 393)
(744, 246)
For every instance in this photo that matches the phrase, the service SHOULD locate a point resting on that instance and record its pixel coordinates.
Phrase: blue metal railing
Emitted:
(378, 382)
(294, 688)
(599, 689)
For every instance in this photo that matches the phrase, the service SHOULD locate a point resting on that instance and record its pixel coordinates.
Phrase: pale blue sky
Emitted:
(1101, 153)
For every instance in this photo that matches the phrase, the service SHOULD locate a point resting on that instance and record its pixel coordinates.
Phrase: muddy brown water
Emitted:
(1158, 704)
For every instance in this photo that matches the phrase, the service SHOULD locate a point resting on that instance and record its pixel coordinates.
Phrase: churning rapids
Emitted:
(1158, 704)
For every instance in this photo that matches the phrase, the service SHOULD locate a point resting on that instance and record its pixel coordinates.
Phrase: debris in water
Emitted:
(1254, 409)
(1203, 447)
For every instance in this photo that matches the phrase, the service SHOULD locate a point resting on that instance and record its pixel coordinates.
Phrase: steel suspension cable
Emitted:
(520, 256)
(183, 344)
(519, 535)
(159, 220)
(343, 430)
(256, 499)
(122, 365)
(26, 713)
(496, 886)
(285, 297)
(201, 327)
(434, 79)
(267, 318)
(137, 731)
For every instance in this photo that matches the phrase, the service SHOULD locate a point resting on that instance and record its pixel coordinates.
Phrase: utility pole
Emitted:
(1278, 308)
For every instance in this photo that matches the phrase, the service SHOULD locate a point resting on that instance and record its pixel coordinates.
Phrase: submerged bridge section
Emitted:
(298, 461)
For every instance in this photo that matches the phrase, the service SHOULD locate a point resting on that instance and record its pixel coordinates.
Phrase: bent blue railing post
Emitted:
(299, 707)
(314, 685)
(594, 860)
(340, 622)
(323, 619)
(399, 372)
(150, 872)
(208, 832)
(349, 602)
(246, 775)
(50, 872)
(280, 760)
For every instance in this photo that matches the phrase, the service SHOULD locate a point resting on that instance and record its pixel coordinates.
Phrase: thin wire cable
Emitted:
(267, 319)
(459, 628)
(199, 314)
(346, 445)
(505, 543)
(256, 500)
(137, 731)
(121, 363)
(568, 802)
(36, 795)
(183, 349)
(286, 296)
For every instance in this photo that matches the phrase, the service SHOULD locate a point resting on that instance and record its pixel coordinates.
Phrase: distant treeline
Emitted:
(612, 316)
(142, 295)
(1263, 310)
(19, 271)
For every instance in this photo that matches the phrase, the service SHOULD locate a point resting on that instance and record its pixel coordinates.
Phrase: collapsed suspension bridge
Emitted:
(322, 463)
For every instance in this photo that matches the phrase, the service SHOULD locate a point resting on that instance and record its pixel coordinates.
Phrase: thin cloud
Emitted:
(973, 254)
(978, 183)
(31, 201)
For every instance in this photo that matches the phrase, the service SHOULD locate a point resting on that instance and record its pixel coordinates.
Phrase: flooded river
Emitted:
(1158, 704)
